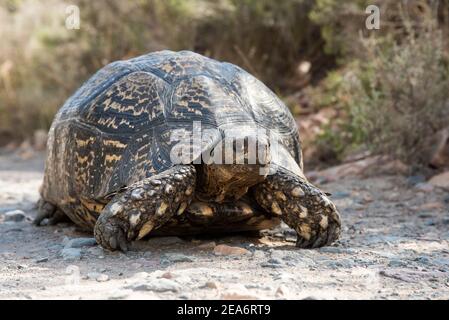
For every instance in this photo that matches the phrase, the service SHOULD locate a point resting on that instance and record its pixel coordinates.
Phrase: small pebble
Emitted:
(15, 216)
(225, 250)
(80, 242)
(71, 254)
(102, 278)
(158, 285)
(175, 258)
(210, 285)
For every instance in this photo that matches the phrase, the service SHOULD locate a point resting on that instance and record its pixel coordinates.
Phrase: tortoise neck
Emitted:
(223, 182)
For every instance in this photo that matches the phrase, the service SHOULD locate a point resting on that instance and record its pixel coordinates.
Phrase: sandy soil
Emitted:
(394, 246)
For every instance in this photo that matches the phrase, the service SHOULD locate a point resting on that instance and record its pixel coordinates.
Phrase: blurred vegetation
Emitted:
(390, 86)
(42, 62)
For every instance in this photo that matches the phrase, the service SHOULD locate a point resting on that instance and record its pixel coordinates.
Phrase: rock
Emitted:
(183, 279)
(102, 278)
(274, 261)
(56, 247)
(271, 265)
(210, 285)
(441, 180)
(168, 275)
(337, 250)
(258, 286)
(424, 187)
(80, 242)
(414, 180)
(362, 167)
(225, 250)
(96, 251)
(15, 216)
(396, 263)
(425, 215)
(136, 265)
(423, 260)
(158, 285)
(429, 206)
(402, 276)
(366, 199)
(340, 263)
(99, 277)
(93, 275)
(141, 275)
(442, 262)
(71, 254)
(169, 258)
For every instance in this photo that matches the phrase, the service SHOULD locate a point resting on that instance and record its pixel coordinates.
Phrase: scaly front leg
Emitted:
(144, 206)
(302, 206)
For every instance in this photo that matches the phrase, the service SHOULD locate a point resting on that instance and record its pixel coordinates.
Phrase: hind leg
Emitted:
(145, 206)
(47, 210)
(301, 206)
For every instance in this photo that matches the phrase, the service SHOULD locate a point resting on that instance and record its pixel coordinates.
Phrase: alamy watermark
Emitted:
(372, 22)
(73, 275)
(200, 145)
(73, 19)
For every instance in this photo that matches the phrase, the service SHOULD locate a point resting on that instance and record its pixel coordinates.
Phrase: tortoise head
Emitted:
(237, 162)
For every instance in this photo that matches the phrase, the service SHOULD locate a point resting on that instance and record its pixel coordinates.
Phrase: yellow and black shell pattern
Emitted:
(116, 129)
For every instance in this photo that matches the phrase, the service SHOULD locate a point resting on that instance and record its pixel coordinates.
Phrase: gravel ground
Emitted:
(394, 246)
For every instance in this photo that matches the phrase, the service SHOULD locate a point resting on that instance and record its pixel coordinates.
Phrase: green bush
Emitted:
(397, 100)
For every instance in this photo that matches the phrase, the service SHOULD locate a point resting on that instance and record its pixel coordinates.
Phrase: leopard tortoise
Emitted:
(174, 143)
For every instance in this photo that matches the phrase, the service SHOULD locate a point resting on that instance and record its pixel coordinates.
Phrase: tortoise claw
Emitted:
(110, 234)
(321, 234)
(118, 241)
